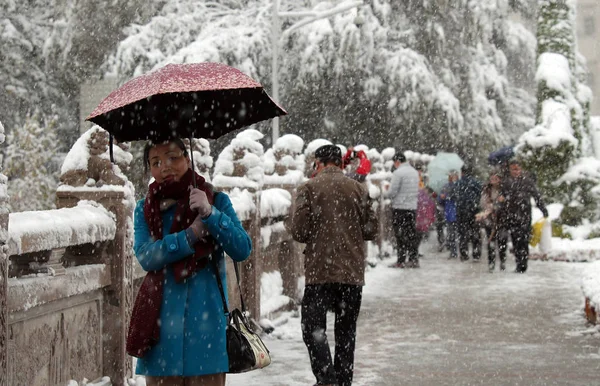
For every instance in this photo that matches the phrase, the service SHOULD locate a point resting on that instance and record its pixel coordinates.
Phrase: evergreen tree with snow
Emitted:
(28, 164)
(558, 148)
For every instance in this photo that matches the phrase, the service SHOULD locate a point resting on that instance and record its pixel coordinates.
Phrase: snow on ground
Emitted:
(453, 323)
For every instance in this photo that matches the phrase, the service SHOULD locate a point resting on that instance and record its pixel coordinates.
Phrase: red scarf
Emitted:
(142, 334)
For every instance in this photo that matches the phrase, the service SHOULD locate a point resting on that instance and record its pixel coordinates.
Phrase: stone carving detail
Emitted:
(52, 349)
(99, 168)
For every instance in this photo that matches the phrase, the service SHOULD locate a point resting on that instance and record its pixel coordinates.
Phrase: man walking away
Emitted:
(516, 193)
(467, 194)
(333, 216)
(403, 193)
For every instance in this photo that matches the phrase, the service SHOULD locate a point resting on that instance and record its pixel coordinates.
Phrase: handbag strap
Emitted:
(220, 284)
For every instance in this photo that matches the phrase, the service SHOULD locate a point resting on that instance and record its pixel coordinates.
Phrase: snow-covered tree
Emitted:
(424, 75)
(48, 48)
(28, 164)
(558, 148)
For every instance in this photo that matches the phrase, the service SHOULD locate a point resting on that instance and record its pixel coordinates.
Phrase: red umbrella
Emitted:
(201, 100)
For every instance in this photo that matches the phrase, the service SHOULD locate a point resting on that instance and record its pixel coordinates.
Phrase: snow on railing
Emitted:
(88, 222)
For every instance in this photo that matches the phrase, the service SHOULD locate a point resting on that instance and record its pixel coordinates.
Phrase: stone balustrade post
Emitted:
(118, 297)
(4, 263)
(253, 267)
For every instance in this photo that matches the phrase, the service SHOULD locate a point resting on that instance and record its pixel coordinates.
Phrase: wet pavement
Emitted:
(454, 323)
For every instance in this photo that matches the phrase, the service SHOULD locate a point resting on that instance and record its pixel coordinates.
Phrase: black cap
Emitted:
(328, 152)
(399, 156)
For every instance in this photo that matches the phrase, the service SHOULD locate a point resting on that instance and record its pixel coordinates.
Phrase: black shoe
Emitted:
(502, 266)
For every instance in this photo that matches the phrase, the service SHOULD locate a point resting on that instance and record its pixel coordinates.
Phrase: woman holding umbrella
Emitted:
(177, 229)
(181, 234)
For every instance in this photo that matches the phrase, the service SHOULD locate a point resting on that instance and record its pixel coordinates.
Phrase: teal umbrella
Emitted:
(439, 168)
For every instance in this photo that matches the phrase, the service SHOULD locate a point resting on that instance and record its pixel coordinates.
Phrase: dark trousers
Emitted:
(451, 239)
(440, 221)
(519, 234)
(405, 229)
(345, 301)
(495, 242)
(468, 232)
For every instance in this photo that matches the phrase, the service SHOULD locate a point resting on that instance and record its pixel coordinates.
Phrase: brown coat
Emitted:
(333, 216)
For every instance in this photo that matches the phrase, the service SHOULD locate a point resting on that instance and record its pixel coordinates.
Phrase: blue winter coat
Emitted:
(192, 330)
(449, 205)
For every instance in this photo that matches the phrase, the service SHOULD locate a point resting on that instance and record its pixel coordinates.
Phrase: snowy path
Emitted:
(452, 323)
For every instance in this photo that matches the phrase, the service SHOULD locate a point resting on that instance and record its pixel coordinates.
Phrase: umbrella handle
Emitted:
(192, 159)
(110, 148)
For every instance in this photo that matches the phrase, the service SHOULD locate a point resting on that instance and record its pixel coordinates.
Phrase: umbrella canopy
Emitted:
(439, 168)
(205, 100)
(501, 155)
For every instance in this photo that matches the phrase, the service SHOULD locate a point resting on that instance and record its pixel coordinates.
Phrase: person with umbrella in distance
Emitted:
(404, 192)
(183, 228)
(333, 216)
(515, 197)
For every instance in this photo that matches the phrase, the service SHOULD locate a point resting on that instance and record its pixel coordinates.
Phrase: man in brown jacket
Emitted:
(333, 217)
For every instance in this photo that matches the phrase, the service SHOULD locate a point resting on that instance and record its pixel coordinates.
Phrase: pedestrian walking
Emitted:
(333, 216)
(403, 193)
(178, 325)
(449, 207)
(467, 194)
(425, 214)
(491, 218)
(516, 193)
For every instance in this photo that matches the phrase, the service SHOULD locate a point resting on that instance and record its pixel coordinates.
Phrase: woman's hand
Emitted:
(199, 203)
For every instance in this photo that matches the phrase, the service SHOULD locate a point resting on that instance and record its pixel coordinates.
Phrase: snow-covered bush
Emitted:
(559, 148)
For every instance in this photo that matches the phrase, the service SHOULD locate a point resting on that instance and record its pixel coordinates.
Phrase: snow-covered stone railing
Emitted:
(65, 309)
(38, 241)
(590, 286)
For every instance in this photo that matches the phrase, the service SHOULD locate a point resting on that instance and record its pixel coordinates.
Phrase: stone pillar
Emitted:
(118, 297)
(252, 268)
(4, 263)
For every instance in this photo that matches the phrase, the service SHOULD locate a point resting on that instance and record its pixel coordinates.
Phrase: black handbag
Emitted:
(245, 349)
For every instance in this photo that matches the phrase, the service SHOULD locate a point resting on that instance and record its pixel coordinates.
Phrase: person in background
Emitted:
(466, 193)
(449, 213)
(440, 221)
(403, 193)
(425, 214)
(360, 172)
(491, 219)
(516, 193)
(333, 216)
(179, 232)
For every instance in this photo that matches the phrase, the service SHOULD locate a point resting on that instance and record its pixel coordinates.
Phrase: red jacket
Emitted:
(364, 167)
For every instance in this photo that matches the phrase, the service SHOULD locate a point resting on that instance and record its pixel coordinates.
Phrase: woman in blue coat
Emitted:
(178, 323)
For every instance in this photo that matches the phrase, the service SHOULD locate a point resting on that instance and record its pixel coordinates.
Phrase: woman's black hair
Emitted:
(150, 144)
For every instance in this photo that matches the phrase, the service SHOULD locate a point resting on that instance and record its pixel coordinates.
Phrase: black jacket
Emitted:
(517, 193)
